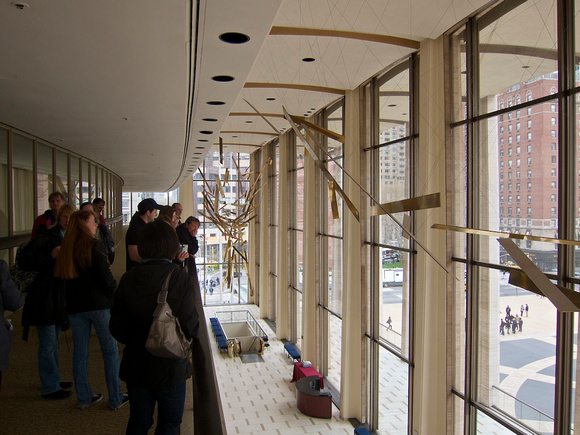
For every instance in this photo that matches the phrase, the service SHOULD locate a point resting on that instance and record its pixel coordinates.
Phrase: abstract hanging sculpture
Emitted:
(232, 223)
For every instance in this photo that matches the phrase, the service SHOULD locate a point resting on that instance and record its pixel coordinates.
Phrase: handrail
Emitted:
(523, 403)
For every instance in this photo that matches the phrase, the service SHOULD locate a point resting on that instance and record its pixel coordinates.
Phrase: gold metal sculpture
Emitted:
(232, 223)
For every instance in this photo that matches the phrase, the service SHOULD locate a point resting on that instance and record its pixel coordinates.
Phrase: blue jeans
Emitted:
(169, 413)
(81, 331)
(48, 358)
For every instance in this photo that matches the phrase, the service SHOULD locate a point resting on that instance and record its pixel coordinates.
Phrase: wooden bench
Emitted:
(292, 352)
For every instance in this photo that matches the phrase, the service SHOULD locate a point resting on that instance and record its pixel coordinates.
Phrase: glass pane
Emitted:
(23, 182)
(459, 75)
(44, 186)
(300, 199)
(393, 163)
(459, 318)
(62, 173)
(3, 183)
(75, 180)
(487, 425)
(517, 49)
(394, 100)
(517, 351)
(393, 319)
(93, 190)
(335, 278)
(393, 394)
(334, 350)
(85, 192)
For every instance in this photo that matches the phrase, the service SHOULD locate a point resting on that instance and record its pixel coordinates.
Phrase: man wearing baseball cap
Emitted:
(147, 212)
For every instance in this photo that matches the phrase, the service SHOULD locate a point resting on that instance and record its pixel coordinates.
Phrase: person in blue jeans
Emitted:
(44, 306)
(83, 269)
(152, 380)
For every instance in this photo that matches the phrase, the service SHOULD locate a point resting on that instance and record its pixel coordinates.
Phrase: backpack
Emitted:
(166, 338)
(22, 278)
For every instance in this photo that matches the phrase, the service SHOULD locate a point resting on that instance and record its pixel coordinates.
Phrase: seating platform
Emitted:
(292, 352)
(361, 431)
(219, 334)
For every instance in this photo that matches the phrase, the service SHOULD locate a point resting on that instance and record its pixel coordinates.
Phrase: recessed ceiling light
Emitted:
(235, 135)
(234, 38)
(525, 66)
(202, 140)
(206, 132)
(249, 122)
(392, 105)
(308, 59)
(222, 78)
(216, 103)
(209, 119)
(19, 5)
(270, 99)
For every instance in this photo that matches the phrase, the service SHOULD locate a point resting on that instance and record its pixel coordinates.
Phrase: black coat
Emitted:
(45, 299)
(131, 317)
(94, 287)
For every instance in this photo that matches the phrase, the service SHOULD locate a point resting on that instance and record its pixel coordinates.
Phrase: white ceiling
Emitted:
(126, 82)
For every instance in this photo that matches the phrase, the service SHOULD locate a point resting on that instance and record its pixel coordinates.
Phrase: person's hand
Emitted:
(182, 256)
(54, 252)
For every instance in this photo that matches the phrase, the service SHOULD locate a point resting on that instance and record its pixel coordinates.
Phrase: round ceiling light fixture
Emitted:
(216, 103)
(206, 132)
(223, 79)
(270, 99)
(308, 59)
(234, 38)
(209, 119)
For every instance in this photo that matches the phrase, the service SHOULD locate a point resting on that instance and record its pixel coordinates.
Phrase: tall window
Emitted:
(497, 387)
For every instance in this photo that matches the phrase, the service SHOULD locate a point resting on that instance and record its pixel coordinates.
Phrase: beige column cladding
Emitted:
(353, 356)
(186, 198)
(429, 394)
(309, 295)
(282, 251)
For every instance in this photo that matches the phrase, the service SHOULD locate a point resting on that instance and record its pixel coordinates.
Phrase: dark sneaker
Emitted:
(57, 395)
(95, 399)
(123, 402)
(66, 385)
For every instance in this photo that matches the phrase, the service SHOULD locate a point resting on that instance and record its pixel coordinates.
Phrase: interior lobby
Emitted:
(380, 180)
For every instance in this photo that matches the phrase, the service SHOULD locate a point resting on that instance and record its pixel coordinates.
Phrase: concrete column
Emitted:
(429, 381)
(353, 355)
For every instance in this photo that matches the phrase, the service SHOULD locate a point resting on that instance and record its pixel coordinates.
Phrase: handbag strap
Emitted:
(162, 296)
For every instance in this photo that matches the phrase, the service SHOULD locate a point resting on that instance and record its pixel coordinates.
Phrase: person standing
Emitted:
(151, 379)
(10, 299)
(178, 211)
(48, 218)
(83, 268)
(527, 308)
(103, 233)
(146, 212)
(44, 306)
(187, 233)
(99, 204)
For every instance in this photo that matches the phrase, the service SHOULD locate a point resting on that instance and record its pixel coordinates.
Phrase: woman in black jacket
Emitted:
(83, 267)
(44, 307)
(151, 379)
